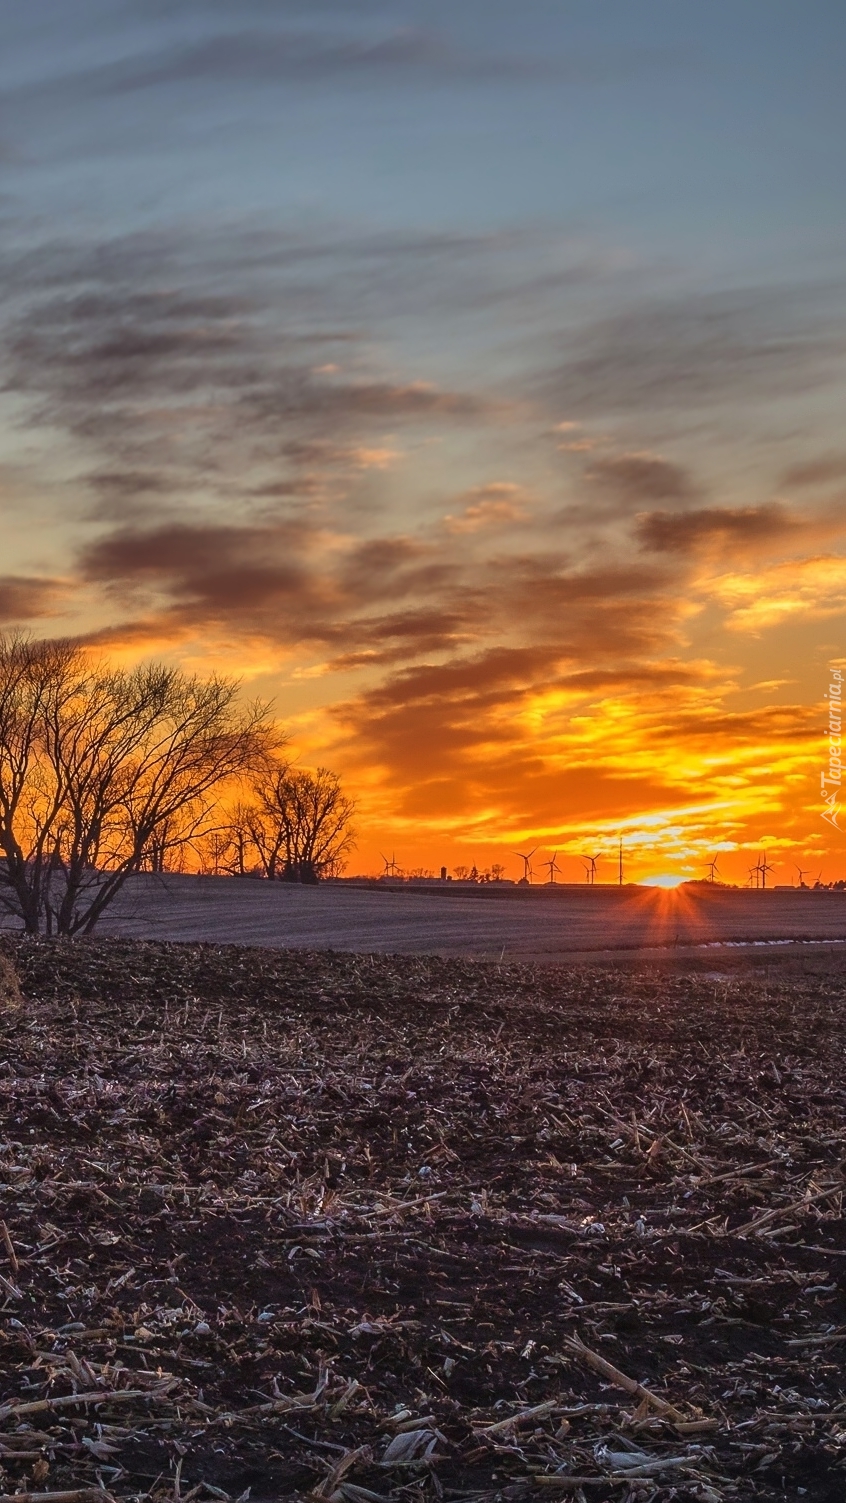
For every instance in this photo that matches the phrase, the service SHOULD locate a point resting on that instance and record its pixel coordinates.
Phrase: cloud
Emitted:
(684, 532)
(246, 44)
(175, 387)
(211, 572)
(816, 471)
(131, 346)
(26, 598)
(583, 629)
(269, 56)
(699, 352)
(636, 479)
(127, 484)
(802, 589)
(262, 9)
(120, 492)
(289, 581)
(384, 599)
(530, 742)
(373, 459)
(506, 734)
(494, 505)
(398, 636)
(304, 486)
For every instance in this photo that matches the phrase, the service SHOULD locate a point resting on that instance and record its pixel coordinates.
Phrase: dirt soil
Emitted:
(302, 1225)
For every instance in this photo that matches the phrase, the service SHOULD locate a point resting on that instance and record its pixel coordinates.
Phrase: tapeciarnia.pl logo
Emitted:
(832, 778)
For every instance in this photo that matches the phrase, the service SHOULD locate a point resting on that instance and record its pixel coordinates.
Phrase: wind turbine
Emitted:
(527, 867)
(755, 871)
(764, 867)
(802, 874)
(391, 868)
(553, 868)
(712, 869)
(589, 863)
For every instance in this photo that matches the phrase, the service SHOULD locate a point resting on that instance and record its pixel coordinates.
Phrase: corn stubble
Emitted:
(350, 1228)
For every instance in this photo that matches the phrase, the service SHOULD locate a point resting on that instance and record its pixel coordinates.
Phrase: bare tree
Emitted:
(227, 849)
(216, 853)
(29, 680)
(300, 824)
(103, 771)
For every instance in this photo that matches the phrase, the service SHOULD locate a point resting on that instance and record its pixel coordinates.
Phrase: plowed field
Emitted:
(284, 1224)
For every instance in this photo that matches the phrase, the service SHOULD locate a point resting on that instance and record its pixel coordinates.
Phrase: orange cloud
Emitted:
(493, 505)
(807, 588)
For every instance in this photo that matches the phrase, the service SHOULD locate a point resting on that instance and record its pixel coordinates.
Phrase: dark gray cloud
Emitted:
(821, 471)
(127, 483)
(684, 532)
(257, 10)
(268, 57)
(268, 44)
(319, 283)
(275, 577)
(175, 384)
(26, 598)
(277, 490)
(213, 574)
(118, 492)
(702, 352)
(638, 479)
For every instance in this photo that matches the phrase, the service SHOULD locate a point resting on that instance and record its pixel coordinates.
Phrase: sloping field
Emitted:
(484, 922)
(351, 1229)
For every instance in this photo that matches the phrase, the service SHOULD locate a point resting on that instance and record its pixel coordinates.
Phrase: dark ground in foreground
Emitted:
(333, 1226)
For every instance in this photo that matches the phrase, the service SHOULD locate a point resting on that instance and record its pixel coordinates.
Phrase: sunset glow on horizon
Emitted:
(467, 380)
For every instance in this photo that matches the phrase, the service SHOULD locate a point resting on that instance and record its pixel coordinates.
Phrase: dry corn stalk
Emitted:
(10, 991)
(620, 1379)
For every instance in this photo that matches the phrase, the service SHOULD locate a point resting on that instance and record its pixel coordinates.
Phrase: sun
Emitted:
(664, 879)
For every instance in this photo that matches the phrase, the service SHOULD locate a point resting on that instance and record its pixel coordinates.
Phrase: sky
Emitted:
(466, 377)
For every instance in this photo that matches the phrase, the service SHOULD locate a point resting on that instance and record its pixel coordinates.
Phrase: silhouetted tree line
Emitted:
(108, 771)
(296, 826)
